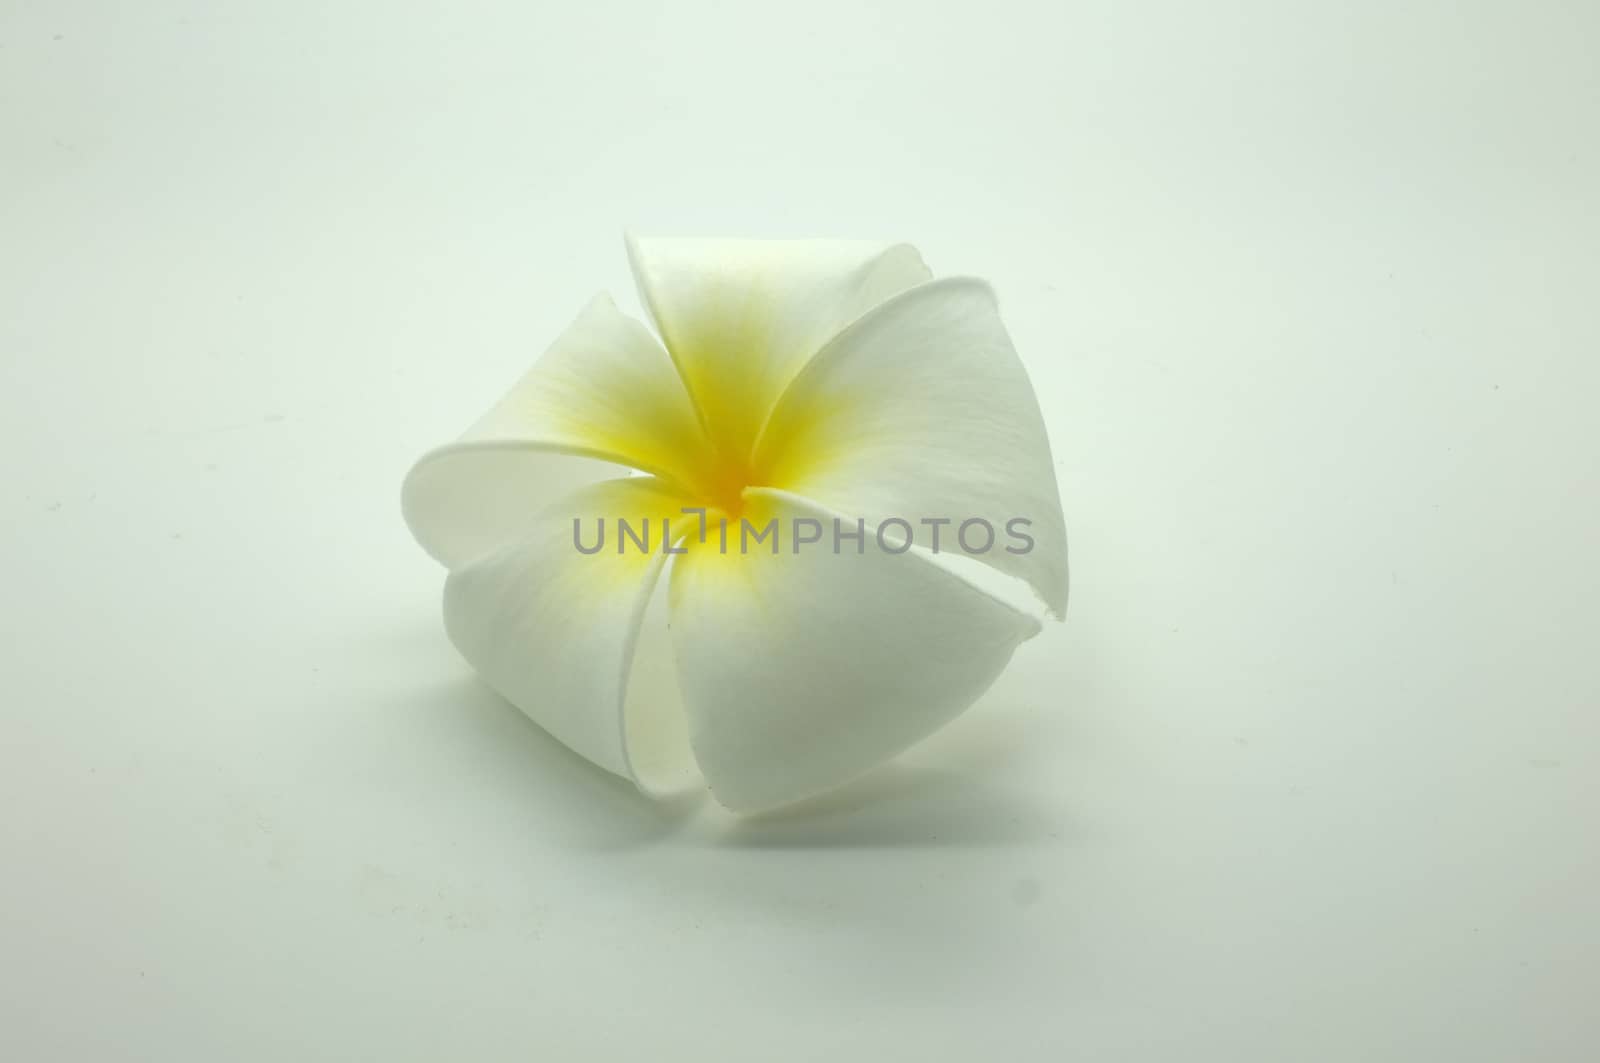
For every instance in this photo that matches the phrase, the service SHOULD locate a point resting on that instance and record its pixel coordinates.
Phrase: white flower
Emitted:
(817, 380)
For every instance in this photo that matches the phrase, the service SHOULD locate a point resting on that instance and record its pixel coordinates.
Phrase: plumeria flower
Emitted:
(829, 385)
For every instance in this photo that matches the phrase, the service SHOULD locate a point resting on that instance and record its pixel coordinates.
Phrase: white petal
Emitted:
(604, 390)
(468, 499)
(922, 411)
(554, 630)
(801, 670)
(742, 316)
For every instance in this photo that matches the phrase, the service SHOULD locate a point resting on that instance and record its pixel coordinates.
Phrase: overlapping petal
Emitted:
(741, 317)
(800, 670)
(554, 629)
(921, 411)
(605, 390)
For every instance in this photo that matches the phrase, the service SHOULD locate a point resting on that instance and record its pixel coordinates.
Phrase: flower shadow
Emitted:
(950, 795)
(527, 770)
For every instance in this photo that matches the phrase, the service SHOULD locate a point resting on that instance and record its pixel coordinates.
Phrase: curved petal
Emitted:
(742, 316)
(604, 390)
(468, 499)
(922, 411)
(554, 630)
(800, 670)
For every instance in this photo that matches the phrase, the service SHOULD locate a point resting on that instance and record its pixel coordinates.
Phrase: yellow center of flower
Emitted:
(732, 454)
(723, 485)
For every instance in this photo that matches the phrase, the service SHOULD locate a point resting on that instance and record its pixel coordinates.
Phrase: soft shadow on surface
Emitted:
(898, 806)
(538, 776)
(950, 795)
(897, 887)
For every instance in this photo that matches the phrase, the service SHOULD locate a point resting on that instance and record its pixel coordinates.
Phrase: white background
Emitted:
(1308, 294)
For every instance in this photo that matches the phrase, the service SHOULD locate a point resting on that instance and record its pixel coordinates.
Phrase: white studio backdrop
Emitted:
(1307, 292)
